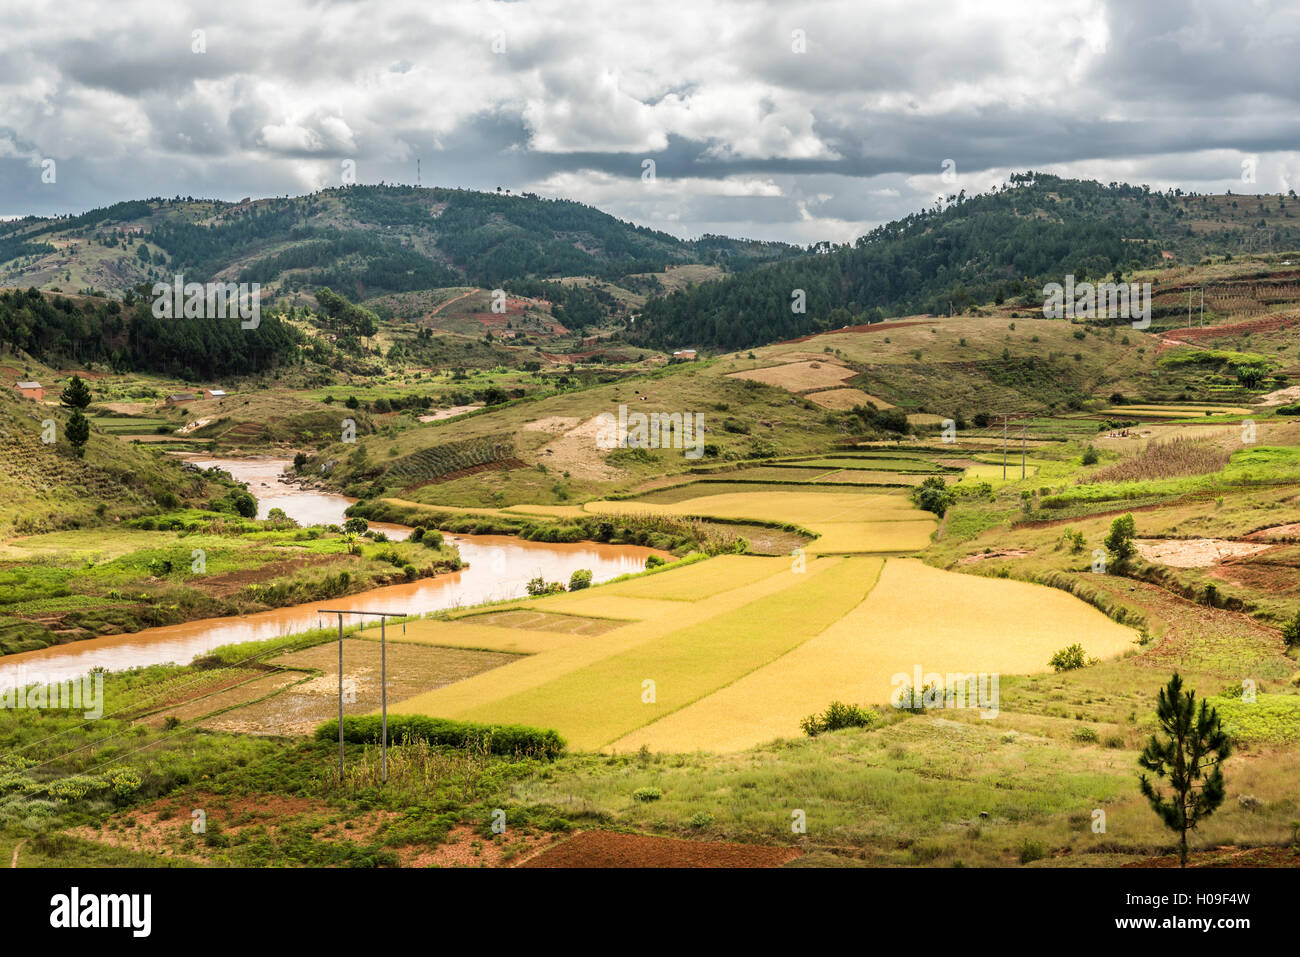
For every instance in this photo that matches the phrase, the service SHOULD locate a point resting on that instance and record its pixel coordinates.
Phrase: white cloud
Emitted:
(744, 130)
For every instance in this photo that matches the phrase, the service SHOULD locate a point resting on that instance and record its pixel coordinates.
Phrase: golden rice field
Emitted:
(993, 473)
(988, 625)
(726, 653)
(845, 522)
(795, 506)
(596, 692)
(718, 575)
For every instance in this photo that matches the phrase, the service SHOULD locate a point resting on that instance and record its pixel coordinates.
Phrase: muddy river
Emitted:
(500, 567)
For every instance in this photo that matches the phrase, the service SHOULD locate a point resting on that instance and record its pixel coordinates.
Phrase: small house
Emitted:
(684, 354)
(30, 390)
(214, 393)
(180, 398)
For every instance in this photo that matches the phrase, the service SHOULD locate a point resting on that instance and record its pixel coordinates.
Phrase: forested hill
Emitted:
(984, 248)
(359, 240)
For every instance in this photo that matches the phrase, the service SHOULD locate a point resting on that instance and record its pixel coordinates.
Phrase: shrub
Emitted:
(933, 495)
(1085, 735)
(1119, 541)
(654, 561)
(913, 699)
(647, 794)
(503, 739)
(1090, 456)
(1291, 631)
(1074, 538)
(839, 715)
(1030, 850)
(417, 533)
(1068, 659)
(580, 579)
(540, 586)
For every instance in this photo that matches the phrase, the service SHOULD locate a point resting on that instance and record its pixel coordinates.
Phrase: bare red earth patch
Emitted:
(612, 849)
(1230, 857)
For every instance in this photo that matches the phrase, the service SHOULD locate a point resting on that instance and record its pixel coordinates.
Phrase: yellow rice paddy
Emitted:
(739, 648)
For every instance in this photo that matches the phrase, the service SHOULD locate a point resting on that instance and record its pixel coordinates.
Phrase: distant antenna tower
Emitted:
(417, 171)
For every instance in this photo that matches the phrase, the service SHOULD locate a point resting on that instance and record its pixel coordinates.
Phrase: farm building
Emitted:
(684, 354)
(214, 393)
(181, 397)
(30, 390)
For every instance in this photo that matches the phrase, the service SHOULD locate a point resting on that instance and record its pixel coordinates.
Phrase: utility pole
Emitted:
(383, 677)
(1024, 418)
(1202, 307)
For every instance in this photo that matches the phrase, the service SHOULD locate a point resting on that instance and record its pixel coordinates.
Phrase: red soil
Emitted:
(612, 849)
(1230, 857)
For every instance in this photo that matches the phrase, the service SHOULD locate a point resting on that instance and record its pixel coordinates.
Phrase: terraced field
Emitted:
(726, 653)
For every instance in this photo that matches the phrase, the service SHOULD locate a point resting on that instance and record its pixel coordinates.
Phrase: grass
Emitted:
(64, 585)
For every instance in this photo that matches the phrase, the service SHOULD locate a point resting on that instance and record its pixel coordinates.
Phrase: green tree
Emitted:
(1190, 751)
(77, 432)
(356, 525)
(1119, 541)
(933, 495)
(244, 503)
(76, 395)
(1291, 631)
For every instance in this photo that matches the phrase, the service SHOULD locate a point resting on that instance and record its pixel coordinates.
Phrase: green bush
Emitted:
(933, 495)
(1068, 659)
(580, 579)
(503, 739)
(647, 794)
(839, 715)
(1119, 541)
(1030, 851)
(1291, 631)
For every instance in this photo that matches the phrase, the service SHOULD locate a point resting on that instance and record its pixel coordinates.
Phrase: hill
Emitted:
(362, 241)
(46, 487)
(996, 247)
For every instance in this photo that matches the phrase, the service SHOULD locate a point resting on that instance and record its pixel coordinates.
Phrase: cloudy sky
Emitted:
(772, 120)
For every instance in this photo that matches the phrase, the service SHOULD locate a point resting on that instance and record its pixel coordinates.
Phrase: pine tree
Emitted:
(1191, 755)
(76, 395)
(78, 432)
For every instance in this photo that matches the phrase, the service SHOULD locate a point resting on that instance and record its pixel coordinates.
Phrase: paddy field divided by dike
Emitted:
(727, 653)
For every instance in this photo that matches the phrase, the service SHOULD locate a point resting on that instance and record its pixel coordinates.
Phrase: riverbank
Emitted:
(184, 566)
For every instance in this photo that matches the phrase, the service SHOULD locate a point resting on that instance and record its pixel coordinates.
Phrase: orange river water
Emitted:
(500, 567)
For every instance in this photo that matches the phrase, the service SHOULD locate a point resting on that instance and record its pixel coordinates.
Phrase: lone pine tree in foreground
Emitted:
(1190, 752)
(77, 432)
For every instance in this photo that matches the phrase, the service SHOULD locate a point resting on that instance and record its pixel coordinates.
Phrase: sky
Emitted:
(800, 122)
